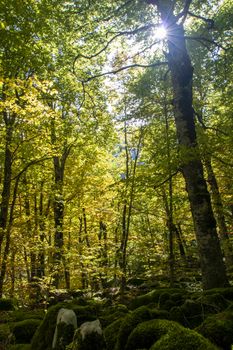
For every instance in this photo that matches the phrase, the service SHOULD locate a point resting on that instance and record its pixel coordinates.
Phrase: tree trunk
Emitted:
(212, 266)
(4, 207)
(219, 213)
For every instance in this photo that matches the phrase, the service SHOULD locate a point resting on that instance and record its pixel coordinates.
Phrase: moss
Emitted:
(92, 341)
(190, 314)
(218, 329)
(129, 323)
(4, 335)
(184, 339)
(161, 314)
(111, 333)
(155, 296)
(20, 347)
(23, 331)
(43, 337)
(147, 333)
(113, 313)
(227, 293)
(65, 333)
(7, 304)
(213, 303)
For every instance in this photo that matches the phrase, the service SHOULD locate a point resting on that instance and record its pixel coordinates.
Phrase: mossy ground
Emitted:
(156, 324)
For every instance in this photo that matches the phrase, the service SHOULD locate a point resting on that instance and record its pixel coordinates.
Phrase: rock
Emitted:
(89, 337)
(67, 317)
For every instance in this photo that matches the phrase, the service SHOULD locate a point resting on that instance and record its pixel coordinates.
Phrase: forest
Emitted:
(116, 138)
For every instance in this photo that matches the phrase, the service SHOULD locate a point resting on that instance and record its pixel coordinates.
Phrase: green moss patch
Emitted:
(20, 347)
(147, 333)
(218, 329)
(183, 339)
(111, 333)
(129, 323)
(23, 331)
(159, 296)
(227, 293)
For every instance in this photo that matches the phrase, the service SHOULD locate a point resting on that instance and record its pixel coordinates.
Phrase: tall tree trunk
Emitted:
(212, 266)
(58, 209)
(6, 191)
(219, 213)
(8, 238)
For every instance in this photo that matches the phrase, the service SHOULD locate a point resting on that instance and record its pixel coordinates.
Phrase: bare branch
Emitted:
(117, 34)
(210, 41)
(185, 11)
(136, 65)
(209, 21)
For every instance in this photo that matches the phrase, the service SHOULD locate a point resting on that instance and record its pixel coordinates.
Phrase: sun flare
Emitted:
(160, 33)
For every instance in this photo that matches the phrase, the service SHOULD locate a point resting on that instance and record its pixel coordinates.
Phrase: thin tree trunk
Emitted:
(6, 191)
(8, 238)
(212, 266)
(219, 212)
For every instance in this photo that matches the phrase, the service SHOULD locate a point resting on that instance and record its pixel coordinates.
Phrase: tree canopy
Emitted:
(116, 144)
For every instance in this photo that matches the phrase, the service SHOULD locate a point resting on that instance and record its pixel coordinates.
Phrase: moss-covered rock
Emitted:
(112, 313)
(218, 329)
(43, 336)
(183, 339)
(227, 293)
(129, 323)
(23, 331)
(157, 296)
(111, 333)
(65, 333)
(147, 333)
(89, 337)
(4, 335)
(213, 303)
(190, 314)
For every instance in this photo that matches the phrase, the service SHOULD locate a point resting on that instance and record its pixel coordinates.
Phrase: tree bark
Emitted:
(219, 213)
(212, 266)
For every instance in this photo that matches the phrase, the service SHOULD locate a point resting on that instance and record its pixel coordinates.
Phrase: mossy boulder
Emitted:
(147, 333)
(112, 313)
(89, 337)
(65, 333)
(159, 296)
(111, 333)
(227, 293)
(213, 303)
(183, 339)
(23, 331)
(190, 314)
(4, 335)
(43, 336)
(218, 329)
(130, 321)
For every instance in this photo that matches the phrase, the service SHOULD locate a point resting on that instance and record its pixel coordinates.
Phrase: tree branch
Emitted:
(117, 34)
(209, 21)
(185, 11)
(210, 41)
(136, 65)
